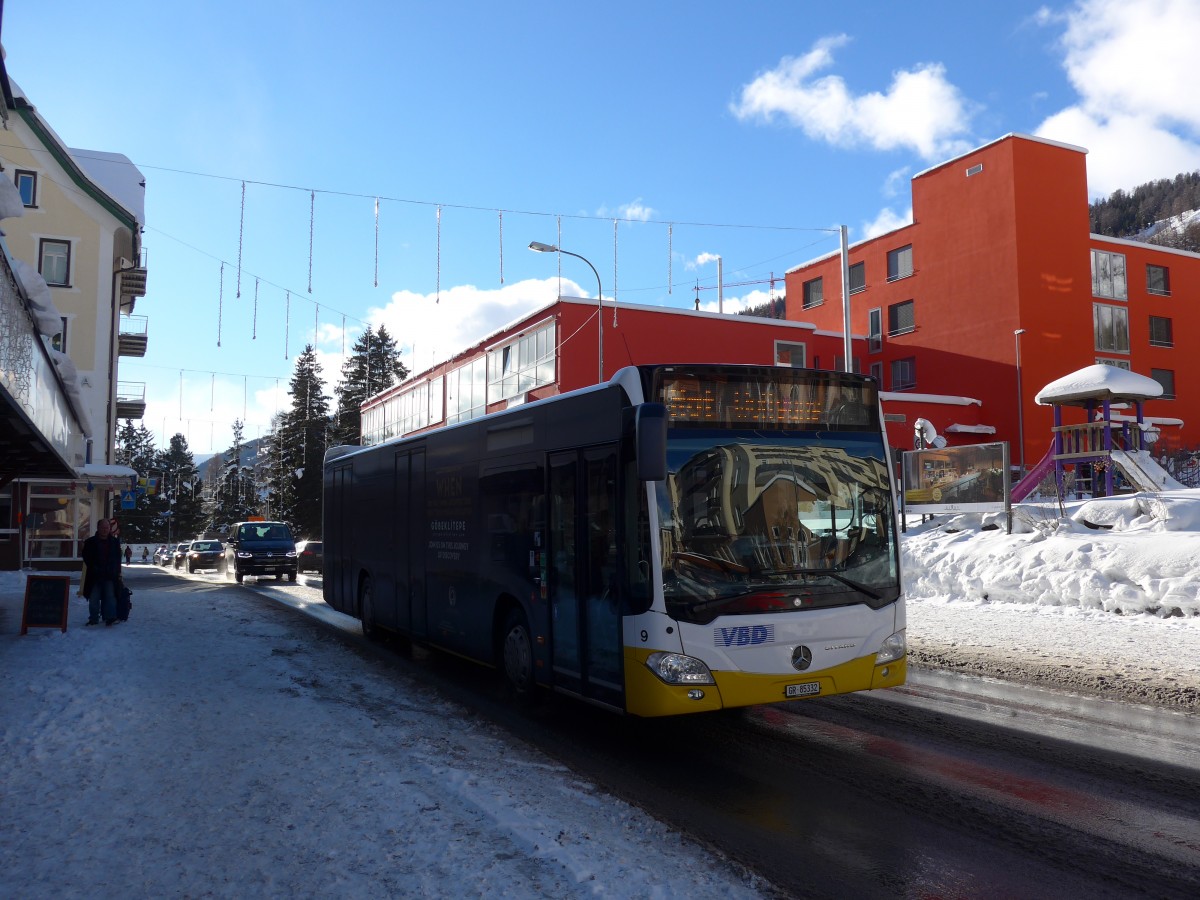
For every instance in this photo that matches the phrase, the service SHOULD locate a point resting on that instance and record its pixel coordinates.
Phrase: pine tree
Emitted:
(373, 366)
(235, 498)
(303, 435)
(181, 490)
(135, 448)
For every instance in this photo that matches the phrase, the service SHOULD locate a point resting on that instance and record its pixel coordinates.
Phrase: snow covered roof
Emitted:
(912, 397)
(1098, 382)
(116, 174)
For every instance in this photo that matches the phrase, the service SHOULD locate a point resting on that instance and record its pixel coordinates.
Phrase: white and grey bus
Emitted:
(681, 538)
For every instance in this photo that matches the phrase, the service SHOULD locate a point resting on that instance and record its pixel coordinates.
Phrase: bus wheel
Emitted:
(370, 630)
(518, 655)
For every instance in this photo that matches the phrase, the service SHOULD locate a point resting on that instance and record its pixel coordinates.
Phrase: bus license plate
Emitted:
(802, 690)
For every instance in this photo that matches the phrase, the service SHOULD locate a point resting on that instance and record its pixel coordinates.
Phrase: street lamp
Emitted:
(1020, 398)
(539, 247)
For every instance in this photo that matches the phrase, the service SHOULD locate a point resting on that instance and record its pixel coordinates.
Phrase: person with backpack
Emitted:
(102, 575)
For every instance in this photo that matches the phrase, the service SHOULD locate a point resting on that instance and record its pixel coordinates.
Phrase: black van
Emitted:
(260, 548)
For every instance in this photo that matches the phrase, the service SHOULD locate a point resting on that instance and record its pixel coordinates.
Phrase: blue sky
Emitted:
(747, 131)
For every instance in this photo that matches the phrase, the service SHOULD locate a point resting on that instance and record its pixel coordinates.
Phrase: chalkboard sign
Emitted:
(46, 598)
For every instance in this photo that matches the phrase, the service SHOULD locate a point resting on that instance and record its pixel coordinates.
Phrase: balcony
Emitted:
(131, 399)
(133, 282)
(131, 341)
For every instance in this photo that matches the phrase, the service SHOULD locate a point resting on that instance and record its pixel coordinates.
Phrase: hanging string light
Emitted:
(439, 256)
(614, 274)
(343, 335)
(181, 394)
(376, 242)
(558, 243)
(212, 396)
(502, 246)
(220, 303)
(316, 321)
(254, 326)
(670, 254)
(287, 323)
(312, 219)
(241, 232)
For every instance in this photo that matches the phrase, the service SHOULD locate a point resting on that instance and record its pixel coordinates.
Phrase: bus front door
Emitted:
(585, 614)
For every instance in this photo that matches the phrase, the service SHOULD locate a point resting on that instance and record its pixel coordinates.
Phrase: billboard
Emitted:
(974, 478)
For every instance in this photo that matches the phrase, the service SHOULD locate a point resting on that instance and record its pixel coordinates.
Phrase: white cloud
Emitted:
(426, 329)
(1138, 119)
(886, 221)
(896, 181)
(431, 330)
(921, 110)
(734, 305)
(636, 210)
(702, 260)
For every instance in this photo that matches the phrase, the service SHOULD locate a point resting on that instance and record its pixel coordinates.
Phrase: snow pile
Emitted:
(1130, 555)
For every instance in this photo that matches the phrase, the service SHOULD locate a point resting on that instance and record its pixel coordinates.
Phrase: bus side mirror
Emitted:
(651, 438)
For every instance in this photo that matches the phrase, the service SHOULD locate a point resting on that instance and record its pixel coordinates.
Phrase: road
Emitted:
(951, 786)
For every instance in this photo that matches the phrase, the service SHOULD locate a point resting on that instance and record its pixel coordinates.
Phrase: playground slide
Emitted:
(1143, 472)
(1034, 476)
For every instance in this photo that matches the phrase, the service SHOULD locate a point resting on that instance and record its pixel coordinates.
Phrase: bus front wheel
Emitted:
(370, 629)
(517, 651)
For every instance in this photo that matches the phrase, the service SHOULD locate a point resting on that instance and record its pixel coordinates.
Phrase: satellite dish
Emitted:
(924, 434)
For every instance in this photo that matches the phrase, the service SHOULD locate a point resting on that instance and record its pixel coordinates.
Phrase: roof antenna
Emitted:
(697, 295)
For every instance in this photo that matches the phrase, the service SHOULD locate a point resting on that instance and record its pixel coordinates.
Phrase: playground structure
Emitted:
(1102, 444)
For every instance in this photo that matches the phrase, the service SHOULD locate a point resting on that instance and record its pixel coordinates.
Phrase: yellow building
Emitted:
(70, 276)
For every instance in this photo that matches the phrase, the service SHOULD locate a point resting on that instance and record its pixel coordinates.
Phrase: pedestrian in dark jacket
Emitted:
(102, 557)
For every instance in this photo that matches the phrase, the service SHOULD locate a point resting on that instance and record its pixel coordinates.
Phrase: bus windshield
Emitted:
(756, 523)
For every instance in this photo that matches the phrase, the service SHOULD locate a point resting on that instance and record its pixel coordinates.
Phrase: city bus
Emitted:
(679, 539)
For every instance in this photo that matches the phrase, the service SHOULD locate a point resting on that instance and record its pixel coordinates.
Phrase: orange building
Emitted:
(556, 349)
(998, 268)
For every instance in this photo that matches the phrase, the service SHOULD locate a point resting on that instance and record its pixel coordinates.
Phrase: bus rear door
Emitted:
(584, 608)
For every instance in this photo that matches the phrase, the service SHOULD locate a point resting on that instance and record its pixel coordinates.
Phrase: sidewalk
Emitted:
(219, 745)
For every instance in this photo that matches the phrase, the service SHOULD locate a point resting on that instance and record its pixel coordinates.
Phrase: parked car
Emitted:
(180, 554)
(162, 555)
(205, 555)
(260, 548)
(310, 557)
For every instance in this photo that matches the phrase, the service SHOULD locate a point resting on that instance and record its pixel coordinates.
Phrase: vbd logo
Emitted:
(744, 635)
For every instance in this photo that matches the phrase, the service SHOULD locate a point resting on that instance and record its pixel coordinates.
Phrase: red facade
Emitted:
(1000, 242)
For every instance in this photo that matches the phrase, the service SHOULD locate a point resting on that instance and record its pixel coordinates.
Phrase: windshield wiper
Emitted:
(849, 582)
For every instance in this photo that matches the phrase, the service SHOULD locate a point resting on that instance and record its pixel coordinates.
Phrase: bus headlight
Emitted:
(893, 649)
(675, 668)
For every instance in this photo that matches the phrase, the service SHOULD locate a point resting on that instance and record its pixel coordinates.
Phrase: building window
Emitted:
(1161, 334)
(525, 364)
(858, 277)
(1108, 275)
(1115, 363)
(875, 330)
(54, 262)
(899, 263)
(26, 186)
(1111, 324)
(1165, 377)
(975, 169)
(788, 354)
(814, 293)
(59, 341)
(1158, 280)
(904, 374)
(901, 318)
(466, 391)
(877, 373)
